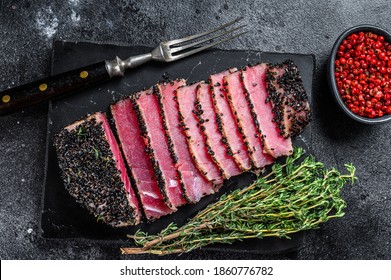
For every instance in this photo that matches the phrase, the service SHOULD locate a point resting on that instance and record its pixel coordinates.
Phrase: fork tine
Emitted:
(185, 47)
(179, 56)
(192, 37)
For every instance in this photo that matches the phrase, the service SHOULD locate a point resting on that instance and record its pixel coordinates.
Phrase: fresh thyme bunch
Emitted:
(292, 197)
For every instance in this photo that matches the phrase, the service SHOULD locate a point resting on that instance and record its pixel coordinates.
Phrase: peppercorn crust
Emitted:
(170, 143)
(183, 126)
(252, 110)
(185, 129)
(198, 112)
(218, 92)
(150, 152)
(288, 98)
(239, 124)
(90, 174)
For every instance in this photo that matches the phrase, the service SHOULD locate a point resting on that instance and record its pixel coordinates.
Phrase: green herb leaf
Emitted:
(293, 197)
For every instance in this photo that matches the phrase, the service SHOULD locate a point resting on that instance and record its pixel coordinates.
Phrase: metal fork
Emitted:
(69, 82)
(172, 50)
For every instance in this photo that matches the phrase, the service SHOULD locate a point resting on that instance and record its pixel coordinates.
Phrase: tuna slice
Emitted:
(213, 137)
(288, 97)
(126, 122)
(254, 81)
(168, 177)
(237, 99)
(186, 97)
(94, 172)
(195, 185)
(227, 123)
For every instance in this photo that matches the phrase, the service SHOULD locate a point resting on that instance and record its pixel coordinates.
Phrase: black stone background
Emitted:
(27, 29)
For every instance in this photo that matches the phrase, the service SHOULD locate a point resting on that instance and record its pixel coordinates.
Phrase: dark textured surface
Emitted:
(26, 32)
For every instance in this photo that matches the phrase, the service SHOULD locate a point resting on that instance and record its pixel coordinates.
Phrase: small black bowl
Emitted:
(331, 72)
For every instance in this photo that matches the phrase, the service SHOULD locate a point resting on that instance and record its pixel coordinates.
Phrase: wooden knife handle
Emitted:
(51, 87)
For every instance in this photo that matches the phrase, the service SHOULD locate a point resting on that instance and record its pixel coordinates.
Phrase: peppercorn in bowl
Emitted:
(359, 73)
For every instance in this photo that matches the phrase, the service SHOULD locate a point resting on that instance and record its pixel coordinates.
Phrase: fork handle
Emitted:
(66, 83)
(58, 85)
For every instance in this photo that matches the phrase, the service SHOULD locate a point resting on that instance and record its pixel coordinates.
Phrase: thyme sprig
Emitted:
(292, 197)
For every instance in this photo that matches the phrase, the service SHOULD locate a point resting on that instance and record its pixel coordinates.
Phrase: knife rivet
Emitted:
(43, 87)
(6, 98)
(83, 74)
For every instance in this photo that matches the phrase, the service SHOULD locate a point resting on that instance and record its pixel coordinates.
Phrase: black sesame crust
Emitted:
(218, 118)
(128, 167)
(240, 125)
(150, 152)
(170, 143)
(288, 91)
(198, 112)
(276, 99)
(252, 110)
(90, 173)
(219, 121)
(183, 126)
(159, 96)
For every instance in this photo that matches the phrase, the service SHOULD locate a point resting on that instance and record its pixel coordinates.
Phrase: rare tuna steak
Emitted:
(254, 82)
(201, 153)
(213, 137)
(195, 185)
(94, 172)
(158, 147)
(227, 123)
(151, 198)
(237, 98)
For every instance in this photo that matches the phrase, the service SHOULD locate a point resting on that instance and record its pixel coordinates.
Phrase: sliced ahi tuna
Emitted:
(201, 153)
(288, 97)
(94, 172)
(195, 185)
(213, 137)
(169, 179)
(237, 99)
(128, 130)
(254, 81)
(227, 123)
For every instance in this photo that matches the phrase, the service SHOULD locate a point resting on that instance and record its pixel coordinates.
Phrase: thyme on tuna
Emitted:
(96, 152)
(80, 131)
(293, 197)
(100, 218)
